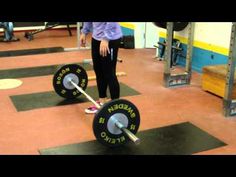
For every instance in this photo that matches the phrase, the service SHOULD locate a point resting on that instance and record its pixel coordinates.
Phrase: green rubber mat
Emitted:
(35, 71)
(179, 139)
(51, 99)
(13, 53)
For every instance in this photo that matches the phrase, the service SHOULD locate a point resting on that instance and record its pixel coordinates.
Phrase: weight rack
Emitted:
(229, 104)
(171, 80)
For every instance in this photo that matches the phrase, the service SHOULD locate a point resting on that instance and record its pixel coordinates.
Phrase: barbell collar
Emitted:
(131, 136)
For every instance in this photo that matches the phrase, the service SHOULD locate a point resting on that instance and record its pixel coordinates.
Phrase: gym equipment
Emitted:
(177, 79)
(229, 103)
(115, 123)
(127, 42)
(62, 85)
(213, 80)
(30, 35)
(173, 47)
(176, 50)
(178, 26)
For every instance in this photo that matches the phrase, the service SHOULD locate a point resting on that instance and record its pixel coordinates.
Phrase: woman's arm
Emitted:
(87, 28)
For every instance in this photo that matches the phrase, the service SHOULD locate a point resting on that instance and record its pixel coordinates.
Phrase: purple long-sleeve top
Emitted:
(103, 30)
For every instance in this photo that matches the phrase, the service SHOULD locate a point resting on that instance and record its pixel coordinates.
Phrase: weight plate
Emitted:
(103, 125)
(178, 26)
(61, 83)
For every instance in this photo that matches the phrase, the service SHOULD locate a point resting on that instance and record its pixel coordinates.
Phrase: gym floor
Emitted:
(25, 132)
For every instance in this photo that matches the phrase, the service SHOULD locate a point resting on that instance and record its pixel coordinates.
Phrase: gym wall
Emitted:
(127, 28)
(136, 29)
(211, 43)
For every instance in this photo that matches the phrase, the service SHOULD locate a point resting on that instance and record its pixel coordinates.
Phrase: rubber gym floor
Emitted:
(39, 126)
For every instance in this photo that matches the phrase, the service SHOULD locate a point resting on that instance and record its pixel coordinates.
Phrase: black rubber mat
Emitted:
(35, 71)
(179, 139)
(51, 99)
(13, 53)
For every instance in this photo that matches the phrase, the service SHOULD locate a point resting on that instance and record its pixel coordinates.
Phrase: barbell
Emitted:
(115, 123)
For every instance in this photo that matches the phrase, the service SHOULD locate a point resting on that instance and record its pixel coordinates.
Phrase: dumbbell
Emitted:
(115, 123)
(29, 36)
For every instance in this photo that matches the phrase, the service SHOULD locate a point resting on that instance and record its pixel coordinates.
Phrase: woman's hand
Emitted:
(104, 48)
(82, 40)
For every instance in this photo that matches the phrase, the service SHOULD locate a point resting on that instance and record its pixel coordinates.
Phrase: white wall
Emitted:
(146, 34)
(210, 33)
(143, 31)
(139, 34)
(151, 36)
(215, 33)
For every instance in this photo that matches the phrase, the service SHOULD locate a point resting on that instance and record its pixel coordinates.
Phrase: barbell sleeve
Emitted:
(85, 94)
(131, 136)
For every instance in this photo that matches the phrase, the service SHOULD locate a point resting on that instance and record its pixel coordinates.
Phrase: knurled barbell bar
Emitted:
(115, 123)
